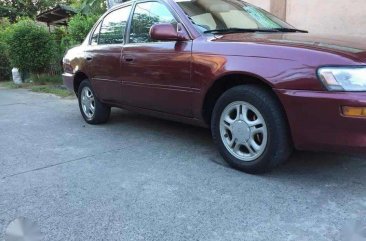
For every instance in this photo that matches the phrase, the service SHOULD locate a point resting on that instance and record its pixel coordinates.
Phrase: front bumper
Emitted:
(317, 123)
(68, 80)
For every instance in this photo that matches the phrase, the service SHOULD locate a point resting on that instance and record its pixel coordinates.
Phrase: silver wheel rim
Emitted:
(243, 131)
(88, 102)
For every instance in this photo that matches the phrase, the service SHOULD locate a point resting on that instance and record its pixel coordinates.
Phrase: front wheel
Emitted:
(93, 111)
(250, 130)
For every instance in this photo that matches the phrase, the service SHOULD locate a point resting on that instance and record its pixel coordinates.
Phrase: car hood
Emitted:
(351, 47)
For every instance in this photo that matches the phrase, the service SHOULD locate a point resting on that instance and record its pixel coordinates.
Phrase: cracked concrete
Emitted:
(139, 178)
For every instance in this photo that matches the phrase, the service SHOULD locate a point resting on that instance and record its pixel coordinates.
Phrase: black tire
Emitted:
(102, 111)
(279, 144)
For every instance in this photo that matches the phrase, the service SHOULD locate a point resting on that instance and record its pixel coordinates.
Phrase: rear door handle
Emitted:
(89, 58)
(128, 59)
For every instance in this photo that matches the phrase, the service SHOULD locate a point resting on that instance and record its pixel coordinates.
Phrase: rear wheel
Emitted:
(250, 130)
(92, 110)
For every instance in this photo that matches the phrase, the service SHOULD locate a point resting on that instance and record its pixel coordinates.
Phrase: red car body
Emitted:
(181, 80)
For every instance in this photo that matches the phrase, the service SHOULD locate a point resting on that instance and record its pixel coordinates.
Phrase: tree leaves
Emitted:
(32, 47)
(13, 9)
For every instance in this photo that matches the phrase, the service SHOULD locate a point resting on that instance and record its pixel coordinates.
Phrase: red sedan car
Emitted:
(261, 85)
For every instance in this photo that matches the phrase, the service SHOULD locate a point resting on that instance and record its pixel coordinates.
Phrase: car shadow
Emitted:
(316, 165)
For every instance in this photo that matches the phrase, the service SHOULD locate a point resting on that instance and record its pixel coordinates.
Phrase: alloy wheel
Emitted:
(88, 102)
(243, 131)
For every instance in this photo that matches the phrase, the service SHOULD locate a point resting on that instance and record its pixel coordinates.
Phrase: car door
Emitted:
(156, 75)
(104, 55)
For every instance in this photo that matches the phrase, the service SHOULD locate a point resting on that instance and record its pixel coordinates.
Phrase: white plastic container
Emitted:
(17, 78)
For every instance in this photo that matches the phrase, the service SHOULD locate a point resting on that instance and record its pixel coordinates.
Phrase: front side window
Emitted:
(113, 26)
(145, 15)
(227, 14)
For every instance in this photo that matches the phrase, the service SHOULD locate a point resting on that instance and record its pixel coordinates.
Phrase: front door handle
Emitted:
(89, 58)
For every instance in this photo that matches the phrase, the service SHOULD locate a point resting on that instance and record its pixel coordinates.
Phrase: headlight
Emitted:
(343, 78)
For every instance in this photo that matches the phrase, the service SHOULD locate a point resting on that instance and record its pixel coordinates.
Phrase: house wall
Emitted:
(334, 17)
(265, 4)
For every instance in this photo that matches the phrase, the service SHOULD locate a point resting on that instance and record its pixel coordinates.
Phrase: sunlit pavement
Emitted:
(140, 178)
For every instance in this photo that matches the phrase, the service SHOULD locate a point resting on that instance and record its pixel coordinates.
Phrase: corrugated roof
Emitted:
(58, 15)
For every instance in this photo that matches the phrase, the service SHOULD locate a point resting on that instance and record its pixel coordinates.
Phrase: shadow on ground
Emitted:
(301, 163)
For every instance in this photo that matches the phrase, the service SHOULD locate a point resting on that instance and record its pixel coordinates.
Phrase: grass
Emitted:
(9, 85)
(41, 84)
(44, 79)
(50, 89)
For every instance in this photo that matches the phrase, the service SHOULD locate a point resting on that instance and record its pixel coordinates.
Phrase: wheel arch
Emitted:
(227, 81)
(79, 77)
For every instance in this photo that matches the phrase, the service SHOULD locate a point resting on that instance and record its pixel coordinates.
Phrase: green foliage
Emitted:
(78, 29)
(51, 88)
(26, 8)
(80, 25)
(91, 7)
(10, 85)
(14, 9)
(32, 47)
(43, 79)
(5, 68)
(59, 34)
(140, 27)
(4, 23)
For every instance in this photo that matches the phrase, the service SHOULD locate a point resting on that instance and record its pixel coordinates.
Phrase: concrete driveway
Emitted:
(139, 178)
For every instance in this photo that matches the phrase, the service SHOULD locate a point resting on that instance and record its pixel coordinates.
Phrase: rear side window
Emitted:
(113, 27)
(145, 15)
(95, 36)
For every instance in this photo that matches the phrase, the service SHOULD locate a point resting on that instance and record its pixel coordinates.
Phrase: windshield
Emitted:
(209, 15)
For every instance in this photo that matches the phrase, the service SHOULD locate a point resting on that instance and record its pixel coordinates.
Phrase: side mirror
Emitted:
(168, 32)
